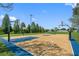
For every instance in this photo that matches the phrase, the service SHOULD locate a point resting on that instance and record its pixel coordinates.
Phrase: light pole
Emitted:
(30, 22)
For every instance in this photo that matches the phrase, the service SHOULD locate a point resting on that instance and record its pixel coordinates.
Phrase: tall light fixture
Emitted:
(30, 22)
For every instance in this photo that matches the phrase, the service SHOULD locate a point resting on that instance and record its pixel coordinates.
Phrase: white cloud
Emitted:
(71, 4)
(1, 17)
(34, 19)
(12, 18)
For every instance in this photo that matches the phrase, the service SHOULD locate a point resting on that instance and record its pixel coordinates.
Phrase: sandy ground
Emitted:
(43, 45)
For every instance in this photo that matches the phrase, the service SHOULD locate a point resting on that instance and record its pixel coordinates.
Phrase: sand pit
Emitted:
(48, 45)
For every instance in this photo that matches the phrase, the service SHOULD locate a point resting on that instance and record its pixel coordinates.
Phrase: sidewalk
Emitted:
(15, 49)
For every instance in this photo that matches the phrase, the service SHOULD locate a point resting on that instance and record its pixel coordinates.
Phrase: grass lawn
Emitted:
(4, 51)
(76, 36)
(5, 35)
(14, 35)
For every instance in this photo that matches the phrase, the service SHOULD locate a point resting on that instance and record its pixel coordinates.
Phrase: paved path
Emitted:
(75, 46)
(15, 49)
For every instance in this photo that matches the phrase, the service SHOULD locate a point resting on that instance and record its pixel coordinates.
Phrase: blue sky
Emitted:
(45, 14)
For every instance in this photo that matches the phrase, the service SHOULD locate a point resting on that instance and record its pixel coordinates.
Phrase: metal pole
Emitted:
(9, 33)
(30, 22)
(70, 33)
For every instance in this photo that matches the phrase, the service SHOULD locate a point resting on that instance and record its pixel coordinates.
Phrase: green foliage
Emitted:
(76, 36)
(1, 31)
(28, 29)
(34, 28)
(6, 24)
(75, 18)
(52, 30)
(56, 29)
(23, 27)
(41, 29)
(47, 30)
(16, 27)
(76, 10)
(4, 51)
(63, 28)
(37, 28)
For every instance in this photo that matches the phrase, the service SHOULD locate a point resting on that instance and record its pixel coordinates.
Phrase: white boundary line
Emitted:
(71, 47)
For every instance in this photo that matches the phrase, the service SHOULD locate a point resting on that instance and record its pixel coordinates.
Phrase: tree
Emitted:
(42, 29)
(63, 28)
(22, 27)
(28, 29)
(75, 18)
(56, 29)
(47, 30)
(6, 24)
(7, 6)
(33, 27)
(37, 28)
(52, 30)
(16, 26)
(76, 10)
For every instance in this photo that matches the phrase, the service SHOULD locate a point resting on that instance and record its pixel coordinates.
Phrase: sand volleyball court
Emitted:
(48, 45)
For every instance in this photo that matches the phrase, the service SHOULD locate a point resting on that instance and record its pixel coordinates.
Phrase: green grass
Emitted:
(76, 36)
(4, 51)
(14, 35)
(5, 35)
